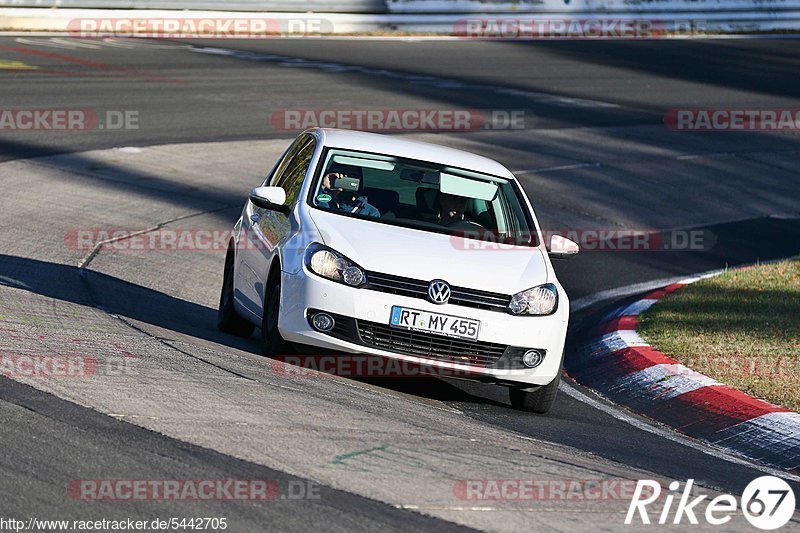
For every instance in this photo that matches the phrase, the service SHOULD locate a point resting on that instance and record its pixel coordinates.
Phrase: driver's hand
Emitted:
(326, 181)
(329, 179)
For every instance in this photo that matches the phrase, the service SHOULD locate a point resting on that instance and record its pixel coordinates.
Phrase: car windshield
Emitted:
(424, 196)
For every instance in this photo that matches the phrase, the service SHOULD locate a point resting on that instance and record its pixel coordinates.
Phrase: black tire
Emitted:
(537, 401)
(228, 320)
(271, 341)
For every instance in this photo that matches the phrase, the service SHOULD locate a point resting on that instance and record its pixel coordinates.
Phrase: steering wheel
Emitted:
(464, 224)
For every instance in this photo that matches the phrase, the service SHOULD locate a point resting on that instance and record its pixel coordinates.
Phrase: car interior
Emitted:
(412, 195)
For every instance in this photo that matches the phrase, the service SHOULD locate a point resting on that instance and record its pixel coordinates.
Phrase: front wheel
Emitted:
(228, 320)
(537, 401)
(271, 341)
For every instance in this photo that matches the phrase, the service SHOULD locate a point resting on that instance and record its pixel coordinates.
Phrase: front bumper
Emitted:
(304, 291)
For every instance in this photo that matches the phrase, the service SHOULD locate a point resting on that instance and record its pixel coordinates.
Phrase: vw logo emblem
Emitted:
(438, 291)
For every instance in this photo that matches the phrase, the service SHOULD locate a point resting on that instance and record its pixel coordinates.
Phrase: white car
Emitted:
(371, 244)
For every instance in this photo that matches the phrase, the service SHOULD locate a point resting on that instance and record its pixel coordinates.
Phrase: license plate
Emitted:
(452, 326)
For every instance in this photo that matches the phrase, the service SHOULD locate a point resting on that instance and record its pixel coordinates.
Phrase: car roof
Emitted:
(397, 146)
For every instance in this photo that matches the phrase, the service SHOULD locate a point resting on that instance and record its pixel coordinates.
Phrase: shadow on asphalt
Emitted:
(125, 299)
(116, 296)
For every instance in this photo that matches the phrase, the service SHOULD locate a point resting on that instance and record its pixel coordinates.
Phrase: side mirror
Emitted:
(272, 198)
(562, 248)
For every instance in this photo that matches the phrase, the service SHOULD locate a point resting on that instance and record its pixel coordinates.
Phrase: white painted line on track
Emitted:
(622, 292)
(49, 43)
(414, 79)
(75, 43)
(558, 168)
(510, 509)
(618, 293)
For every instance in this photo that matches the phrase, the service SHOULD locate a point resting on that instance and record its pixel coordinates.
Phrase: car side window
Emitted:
(288, 156)
(292, 178)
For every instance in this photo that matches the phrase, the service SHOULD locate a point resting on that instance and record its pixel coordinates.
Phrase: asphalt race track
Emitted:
(384, 454)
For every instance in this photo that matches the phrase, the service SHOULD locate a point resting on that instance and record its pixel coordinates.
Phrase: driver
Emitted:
(451, 208)
(349, 201)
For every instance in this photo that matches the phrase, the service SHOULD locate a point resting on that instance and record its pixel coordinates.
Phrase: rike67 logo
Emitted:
(767, 503)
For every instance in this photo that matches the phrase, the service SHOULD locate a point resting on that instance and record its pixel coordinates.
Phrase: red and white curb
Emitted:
(613, 359)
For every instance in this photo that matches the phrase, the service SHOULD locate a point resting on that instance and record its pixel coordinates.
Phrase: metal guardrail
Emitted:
(450, 7)
(432, 16)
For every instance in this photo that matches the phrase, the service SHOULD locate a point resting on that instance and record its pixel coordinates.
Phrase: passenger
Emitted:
(451, 208)
(345, 200)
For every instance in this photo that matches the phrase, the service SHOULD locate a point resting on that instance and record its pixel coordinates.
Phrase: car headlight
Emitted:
(541, 300)
(332, 265)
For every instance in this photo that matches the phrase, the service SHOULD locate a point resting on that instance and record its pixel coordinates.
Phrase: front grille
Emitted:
(429, 345)
(425, 345)
(419, 289)
(343, 327)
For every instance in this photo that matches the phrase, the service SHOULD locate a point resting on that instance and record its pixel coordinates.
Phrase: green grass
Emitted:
(741, 328)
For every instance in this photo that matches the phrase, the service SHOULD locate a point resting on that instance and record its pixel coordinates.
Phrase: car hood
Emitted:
(427, 256)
